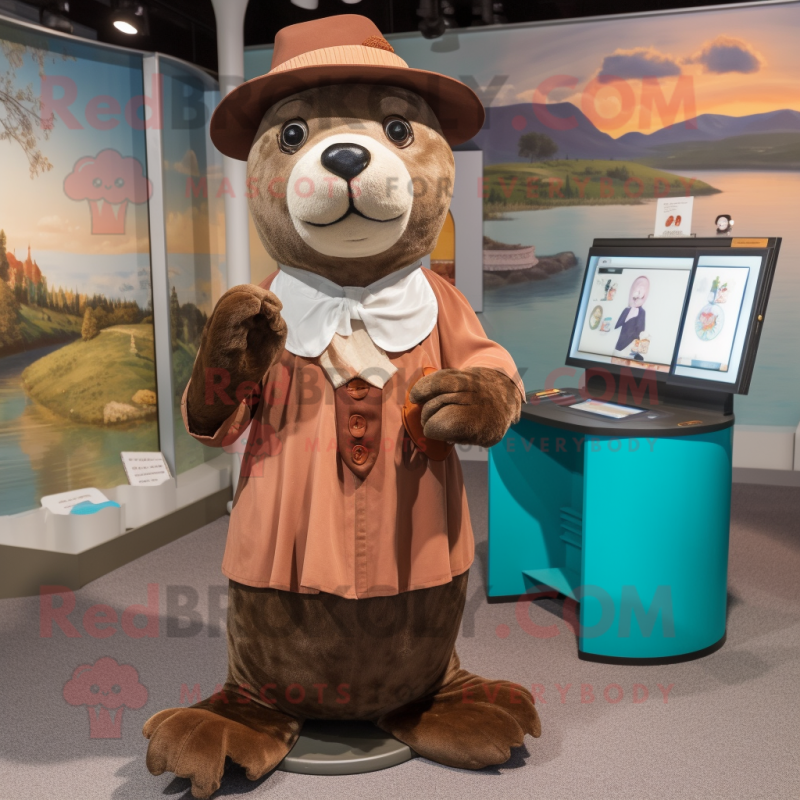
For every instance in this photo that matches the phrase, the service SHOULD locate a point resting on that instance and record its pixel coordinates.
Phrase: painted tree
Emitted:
(3, 257)
(89, 329)
(536, 146)
(10, 331)
(21, 119)
(174, 318)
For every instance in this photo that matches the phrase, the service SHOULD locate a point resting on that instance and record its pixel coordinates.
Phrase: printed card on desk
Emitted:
(64, 502)
(674, 216)
(145, 469)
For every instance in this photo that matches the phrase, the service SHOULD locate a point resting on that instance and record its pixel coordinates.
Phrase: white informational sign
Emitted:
(674, 216)
(64, 502)
(145, 469)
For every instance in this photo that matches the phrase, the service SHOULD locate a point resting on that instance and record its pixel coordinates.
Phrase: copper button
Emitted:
(357, 389)
(360, 454)
(358, 425)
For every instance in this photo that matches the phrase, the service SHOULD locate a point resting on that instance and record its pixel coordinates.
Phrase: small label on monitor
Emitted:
(749, 242)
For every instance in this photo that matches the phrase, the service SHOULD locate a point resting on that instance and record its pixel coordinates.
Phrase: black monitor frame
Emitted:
(691, 248)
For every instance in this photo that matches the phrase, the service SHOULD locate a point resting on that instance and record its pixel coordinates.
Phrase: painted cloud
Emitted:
(726, 54)
(641, 62)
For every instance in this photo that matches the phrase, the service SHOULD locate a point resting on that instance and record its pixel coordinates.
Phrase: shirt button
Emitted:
(358, 425)
(360, 454)
(357, 389)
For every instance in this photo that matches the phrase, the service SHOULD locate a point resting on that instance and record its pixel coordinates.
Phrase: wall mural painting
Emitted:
(589, 122)
(77, 373)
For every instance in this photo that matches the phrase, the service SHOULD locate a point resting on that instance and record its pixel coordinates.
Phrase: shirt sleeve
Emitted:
(228, 432)
(463, 342)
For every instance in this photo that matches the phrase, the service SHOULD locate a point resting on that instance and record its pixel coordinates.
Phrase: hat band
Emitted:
(346, 54)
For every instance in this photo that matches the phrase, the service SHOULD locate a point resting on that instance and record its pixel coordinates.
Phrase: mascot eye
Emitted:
(398, 131)
(293, 135)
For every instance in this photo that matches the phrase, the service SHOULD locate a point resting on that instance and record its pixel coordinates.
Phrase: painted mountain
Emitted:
(714, 127)
(709, 141)
(500, 134)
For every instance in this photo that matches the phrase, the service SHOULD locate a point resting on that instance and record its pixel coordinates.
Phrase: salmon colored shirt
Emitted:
(303, 522)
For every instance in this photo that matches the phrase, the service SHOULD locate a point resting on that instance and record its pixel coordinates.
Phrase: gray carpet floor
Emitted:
(729, 728)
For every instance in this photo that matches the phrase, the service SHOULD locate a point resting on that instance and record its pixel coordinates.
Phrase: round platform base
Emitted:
(643, 662)
(344, 748)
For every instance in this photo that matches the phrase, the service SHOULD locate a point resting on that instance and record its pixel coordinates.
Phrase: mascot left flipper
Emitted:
(194, 742)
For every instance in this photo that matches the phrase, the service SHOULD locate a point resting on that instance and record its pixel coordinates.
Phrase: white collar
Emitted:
(398, 311)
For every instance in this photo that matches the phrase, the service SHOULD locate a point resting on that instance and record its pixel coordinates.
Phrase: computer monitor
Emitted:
(687, 311)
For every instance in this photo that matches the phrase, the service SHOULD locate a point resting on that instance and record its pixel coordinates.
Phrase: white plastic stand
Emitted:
(40, 529)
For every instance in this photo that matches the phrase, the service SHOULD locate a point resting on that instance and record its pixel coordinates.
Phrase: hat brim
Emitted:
(237, 118)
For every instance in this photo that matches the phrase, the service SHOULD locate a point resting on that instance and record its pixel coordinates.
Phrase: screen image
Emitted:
(712, 317)
(720, 303)
(631, 310)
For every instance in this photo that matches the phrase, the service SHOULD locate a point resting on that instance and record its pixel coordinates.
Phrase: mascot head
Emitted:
(348, 150)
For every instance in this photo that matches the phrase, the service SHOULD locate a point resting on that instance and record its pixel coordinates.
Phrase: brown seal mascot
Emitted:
(356, 369)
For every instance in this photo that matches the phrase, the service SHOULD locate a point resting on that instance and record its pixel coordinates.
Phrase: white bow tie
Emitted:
(398, 311)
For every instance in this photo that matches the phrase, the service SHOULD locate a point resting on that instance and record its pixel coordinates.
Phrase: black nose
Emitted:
(345, 160)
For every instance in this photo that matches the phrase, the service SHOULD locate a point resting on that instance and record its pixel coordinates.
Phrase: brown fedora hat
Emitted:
(330, 51)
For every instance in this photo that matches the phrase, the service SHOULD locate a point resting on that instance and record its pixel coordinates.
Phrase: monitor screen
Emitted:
(715, 327)
(680, 312)
(631, 311)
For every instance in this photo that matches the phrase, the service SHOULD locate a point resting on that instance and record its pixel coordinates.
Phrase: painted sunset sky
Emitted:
(739, 61)
(39, 212)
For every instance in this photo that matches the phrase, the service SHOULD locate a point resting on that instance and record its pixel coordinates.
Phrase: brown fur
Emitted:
(356, 109)
(395, 654)
(243, 337)
(297, 656)
(473, 406)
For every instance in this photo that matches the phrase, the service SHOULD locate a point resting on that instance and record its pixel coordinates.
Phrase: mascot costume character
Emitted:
(357, 370)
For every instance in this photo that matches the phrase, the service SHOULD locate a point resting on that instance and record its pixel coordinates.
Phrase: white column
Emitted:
(230, 55)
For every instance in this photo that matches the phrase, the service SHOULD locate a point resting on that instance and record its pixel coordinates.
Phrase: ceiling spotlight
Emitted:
(130, 18)
(499, 14)
(449, 14)
(432, 24)
(125, 27)
(55, 16)
(488, 12)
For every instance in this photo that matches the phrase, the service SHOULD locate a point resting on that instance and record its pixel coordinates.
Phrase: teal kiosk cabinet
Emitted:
(629, 517)
(631, 521)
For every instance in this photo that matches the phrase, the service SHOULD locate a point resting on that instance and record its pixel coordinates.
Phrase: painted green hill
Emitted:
(562, 182)
(24, 327)
(41, 325)
(751, 151)
(79, 380)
